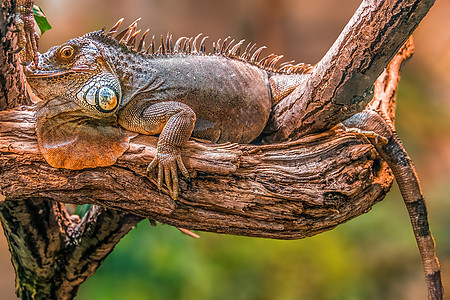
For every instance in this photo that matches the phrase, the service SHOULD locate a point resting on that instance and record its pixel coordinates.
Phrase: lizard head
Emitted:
(76, 71)
(76, 124)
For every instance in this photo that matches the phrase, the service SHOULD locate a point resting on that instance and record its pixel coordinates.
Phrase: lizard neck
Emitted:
(134, 70)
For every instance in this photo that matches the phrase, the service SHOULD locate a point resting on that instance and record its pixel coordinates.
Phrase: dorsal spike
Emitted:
(141, 44)
(302, 68)
(227, 48)
(202, 45)
(161, 49)
(125, 39)
(217, 48)
(284, 66)
(274, 61)
(168, 43)
(282, 69)
(132, 38)
(236, 48)
(178, 46)
(224, 44)
(245, 51)
(194, 43)
(305, 67)
(114, 28)
(255, 55)
(189, 45)
(151, 47)
(120, 36)
(263, 62)
(249, 53)
(287, 63)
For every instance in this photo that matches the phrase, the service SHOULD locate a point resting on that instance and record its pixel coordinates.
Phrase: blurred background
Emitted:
(371, 257)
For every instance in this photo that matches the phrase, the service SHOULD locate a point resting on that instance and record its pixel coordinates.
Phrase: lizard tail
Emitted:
(399, 161)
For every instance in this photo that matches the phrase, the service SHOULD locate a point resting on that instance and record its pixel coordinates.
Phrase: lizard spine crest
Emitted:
(191, 46)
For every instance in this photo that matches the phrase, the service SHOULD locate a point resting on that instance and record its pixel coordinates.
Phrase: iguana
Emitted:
(95, 82)
(98, 87)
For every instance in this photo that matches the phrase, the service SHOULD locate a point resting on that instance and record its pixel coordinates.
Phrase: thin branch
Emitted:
(385, 88)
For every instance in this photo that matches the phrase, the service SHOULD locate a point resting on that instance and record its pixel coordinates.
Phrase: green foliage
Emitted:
(363, 259)
(371, 257)
(41, 19)
(81, 210)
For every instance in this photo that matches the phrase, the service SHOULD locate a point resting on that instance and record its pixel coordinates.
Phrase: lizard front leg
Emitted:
(175, 122)
(27, 37)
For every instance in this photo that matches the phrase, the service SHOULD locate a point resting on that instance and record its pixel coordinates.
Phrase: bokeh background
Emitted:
(371, 257)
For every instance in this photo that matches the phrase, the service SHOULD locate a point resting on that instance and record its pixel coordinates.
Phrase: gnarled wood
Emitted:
(341, 84)
(285, 191)
(53, 252)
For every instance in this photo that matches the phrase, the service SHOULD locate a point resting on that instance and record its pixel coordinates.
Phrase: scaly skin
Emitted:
(27, 38)
(94, 83)
(383, 137)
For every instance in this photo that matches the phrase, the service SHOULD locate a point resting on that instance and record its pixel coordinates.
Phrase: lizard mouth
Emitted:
(39, 73)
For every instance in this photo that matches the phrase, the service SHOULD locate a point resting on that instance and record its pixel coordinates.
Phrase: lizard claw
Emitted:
(27, 37)
(167, 161)
(371, 135)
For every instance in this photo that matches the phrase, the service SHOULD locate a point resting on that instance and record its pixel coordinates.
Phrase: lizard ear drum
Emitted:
(106, 99)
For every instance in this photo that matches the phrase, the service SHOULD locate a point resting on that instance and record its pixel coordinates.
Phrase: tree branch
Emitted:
(53, 252)
(341, 83)
(287, 191)
(378, 118)
(12, 83)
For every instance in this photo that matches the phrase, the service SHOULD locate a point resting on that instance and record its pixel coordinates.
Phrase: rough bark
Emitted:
(12, 87)
(287, 190)
(379, 118)
(342, 82)
(51, 251)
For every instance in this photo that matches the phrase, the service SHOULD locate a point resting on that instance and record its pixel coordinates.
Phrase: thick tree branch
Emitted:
(12, 84)
(341, 83)
(283, 191)
(53, 252)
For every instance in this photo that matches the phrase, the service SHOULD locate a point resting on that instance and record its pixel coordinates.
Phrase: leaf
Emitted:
(81, 210)
(41, 19)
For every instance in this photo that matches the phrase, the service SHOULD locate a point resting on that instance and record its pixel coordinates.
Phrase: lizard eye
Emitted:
(66, 52)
